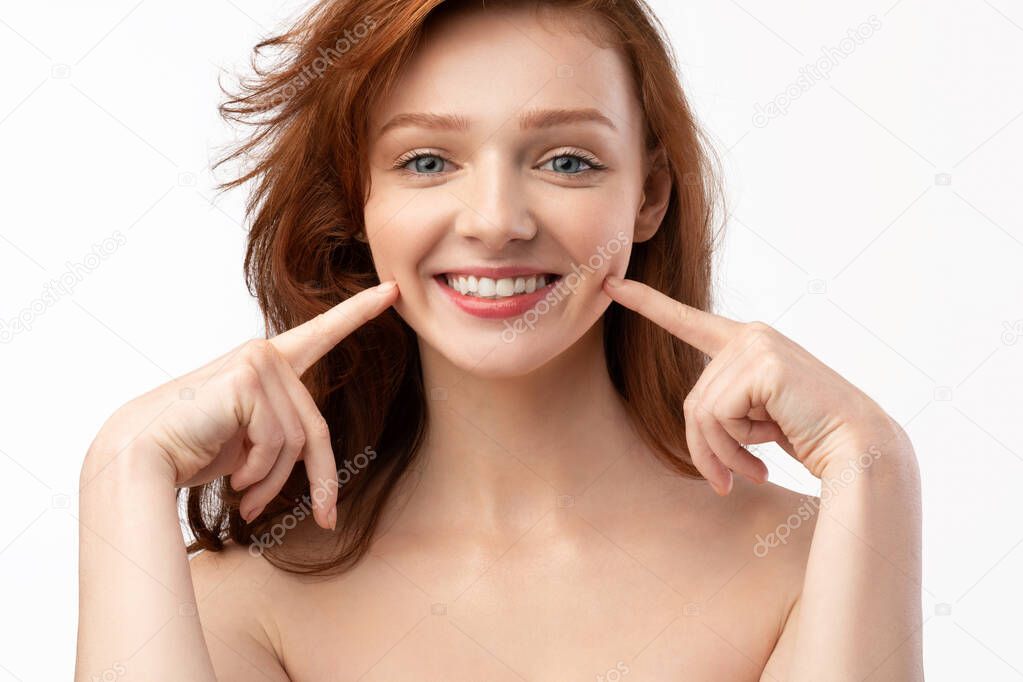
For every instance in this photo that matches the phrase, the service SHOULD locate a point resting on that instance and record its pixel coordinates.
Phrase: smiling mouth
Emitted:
(497, 288)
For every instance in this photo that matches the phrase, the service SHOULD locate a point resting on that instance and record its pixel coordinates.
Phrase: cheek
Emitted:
(396, 238)
(599, 232)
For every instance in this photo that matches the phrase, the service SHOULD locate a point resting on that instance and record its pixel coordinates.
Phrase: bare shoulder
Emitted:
(235, 608)
(779, 524)
(777, 520)
(229, 573)
(773, 527)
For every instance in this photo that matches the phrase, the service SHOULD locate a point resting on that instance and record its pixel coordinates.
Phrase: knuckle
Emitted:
(761, 335)
(771, 361)
(689, 405)
(711, 407)
(763, 339)
(277, 439)
(260, 352)
(320, 428)
(296, 438)
(244, 378)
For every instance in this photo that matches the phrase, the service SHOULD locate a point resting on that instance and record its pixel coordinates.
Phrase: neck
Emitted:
(498, 453)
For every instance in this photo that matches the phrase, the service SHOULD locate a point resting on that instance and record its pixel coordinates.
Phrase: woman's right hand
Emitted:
(248, 415)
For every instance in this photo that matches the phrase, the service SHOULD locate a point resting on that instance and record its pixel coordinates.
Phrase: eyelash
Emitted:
(591, 161)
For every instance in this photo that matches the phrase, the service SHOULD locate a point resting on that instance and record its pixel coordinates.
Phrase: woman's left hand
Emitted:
(760, 386)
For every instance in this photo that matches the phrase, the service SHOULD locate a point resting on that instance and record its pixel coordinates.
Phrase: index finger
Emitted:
(303, 345)
(705, 331)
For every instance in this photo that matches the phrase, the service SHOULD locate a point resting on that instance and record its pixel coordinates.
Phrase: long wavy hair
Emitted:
(308, 113)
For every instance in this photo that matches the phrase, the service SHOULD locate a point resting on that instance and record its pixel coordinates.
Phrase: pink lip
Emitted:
(495, 308)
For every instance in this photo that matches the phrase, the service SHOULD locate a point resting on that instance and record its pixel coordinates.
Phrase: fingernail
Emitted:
(613, 281)
(332, 518)
(386, 287)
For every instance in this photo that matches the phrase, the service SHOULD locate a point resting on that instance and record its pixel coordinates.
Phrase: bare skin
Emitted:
(537, 538)
(643, 573)
(639, 572)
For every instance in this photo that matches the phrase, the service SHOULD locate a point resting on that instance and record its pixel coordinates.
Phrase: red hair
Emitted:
(309, 118)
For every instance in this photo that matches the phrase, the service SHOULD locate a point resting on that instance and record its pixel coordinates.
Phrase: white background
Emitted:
(878, 223)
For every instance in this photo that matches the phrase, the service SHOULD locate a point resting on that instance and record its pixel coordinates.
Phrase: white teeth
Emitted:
(485, 287)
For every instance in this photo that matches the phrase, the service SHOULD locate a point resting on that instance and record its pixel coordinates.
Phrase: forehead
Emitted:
(491, 65)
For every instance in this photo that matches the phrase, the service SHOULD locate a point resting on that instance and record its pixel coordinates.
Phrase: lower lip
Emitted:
(494, 308)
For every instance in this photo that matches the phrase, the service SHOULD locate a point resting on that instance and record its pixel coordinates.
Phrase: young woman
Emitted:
(494, 433)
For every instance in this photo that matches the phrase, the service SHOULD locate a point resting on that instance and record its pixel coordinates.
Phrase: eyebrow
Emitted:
(533, 119)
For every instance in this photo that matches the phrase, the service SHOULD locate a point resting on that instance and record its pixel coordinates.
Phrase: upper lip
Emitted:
(497, 273)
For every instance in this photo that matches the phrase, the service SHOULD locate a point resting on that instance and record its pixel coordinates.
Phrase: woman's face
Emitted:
(527, 191)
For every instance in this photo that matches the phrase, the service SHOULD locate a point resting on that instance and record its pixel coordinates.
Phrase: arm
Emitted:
(137, 606)
(247, 416)
(136, 603)
(859, 615)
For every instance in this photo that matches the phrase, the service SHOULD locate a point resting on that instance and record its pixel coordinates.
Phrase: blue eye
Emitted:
(569, 164)
(424, 164)
(418, 164)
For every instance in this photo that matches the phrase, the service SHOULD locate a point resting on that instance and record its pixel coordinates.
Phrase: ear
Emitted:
(656, 195)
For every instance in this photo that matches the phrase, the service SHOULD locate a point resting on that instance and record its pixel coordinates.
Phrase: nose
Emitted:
(495, 209)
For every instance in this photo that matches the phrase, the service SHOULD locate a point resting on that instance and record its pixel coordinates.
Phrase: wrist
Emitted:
(136, 461)
(881, 456)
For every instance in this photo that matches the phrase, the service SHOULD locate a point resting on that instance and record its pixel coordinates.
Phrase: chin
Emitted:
(502, 348)
(498, 360)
